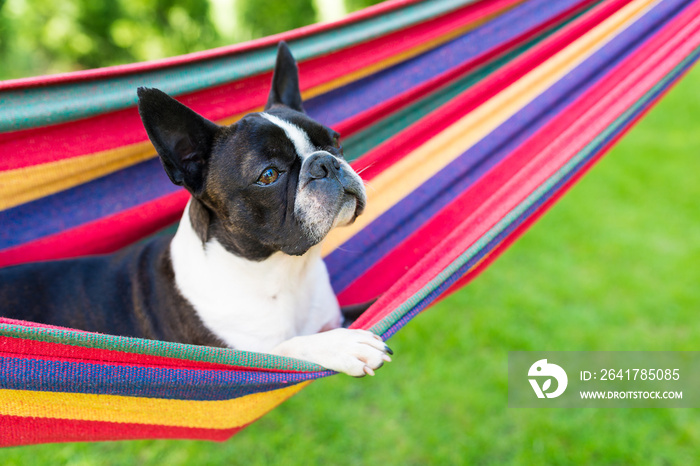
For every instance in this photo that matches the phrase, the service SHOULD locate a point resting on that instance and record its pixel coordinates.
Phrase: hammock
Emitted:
(467, 119)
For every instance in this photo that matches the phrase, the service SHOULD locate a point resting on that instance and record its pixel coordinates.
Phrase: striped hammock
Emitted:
(467, 120)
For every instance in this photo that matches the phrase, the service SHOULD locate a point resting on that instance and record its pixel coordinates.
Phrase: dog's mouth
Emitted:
(350, 188)
(354, 187)
(360, 200)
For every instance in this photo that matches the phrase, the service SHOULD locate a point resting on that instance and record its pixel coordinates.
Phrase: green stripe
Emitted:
(410, 304)
(54, 104)
(159, 348)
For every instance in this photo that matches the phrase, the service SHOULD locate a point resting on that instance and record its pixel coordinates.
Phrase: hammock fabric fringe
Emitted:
(467, 119)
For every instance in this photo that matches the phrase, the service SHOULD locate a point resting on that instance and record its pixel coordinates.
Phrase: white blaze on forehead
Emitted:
(298, 136)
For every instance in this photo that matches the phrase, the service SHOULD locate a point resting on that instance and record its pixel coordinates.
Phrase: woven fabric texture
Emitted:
(467, 119)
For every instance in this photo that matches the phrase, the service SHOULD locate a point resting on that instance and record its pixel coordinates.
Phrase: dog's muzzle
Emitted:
(322, 164)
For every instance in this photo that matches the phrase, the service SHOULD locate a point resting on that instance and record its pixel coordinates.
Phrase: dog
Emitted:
(244, 269)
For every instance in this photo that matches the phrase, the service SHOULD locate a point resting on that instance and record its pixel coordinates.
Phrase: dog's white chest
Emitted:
(253, 306)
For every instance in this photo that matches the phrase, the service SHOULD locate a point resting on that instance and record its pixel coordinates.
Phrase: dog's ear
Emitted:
(285, 81)
(182, 137)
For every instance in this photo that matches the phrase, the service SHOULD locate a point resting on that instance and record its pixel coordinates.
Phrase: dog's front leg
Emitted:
(354, 352)
(353, 312)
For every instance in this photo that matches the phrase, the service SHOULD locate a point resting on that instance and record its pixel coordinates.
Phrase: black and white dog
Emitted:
(244, 269)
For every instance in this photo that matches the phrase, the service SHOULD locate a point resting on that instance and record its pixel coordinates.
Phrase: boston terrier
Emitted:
(244, 269)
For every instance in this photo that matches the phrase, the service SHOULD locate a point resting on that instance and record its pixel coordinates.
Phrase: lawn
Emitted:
(614, 266)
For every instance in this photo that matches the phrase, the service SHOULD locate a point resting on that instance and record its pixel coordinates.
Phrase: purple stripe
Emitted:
(90, 201)
(357, 255)
(157, 382)
(347, 101)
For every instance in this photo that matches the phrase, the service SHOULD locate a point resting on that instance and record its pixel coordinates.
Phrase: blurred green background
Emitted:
(48, 36)
(614, 266)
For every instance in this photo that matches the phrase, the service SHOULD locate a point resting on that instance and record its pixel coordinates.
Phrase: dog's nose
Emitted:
(323, 165)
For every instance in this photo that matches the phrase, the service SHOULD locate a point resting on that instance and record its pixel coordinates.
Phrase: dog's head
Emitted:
(273, 181)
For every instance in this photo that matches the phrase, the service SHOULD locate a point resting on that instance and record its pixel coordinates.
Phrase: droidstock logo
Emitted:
(543, 370)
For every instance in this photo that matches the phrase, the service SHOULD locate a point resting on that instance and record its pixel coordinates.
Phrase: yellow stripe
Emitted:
(225, 414)
(391, 186)
(30, 183)
(27, 184)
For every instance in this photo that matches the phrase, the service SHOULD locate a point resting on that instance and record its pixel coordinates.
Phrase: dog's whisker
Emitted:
(370, 186)
(340, 248)
(365, 168)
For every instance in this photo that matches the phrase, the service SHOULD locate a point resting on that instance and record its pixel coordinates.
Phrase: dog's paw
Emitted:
(353, 352)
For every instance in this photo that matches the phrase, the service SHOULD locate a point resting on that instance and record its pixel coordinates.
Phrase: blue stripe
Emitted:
(126, 380)
(91, 201)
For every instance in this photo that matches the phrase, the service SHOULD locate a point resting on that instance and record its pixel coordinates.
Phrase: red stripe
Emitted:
(34, 349)
(387, 107)
(507, 184)
(65, 140)
(16, 430)
(394, 149)
(269, 41)
(57, 142)
(104, 235)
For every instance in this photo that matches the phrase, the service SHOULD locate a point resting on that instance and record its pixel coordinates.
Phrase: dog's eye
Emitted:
(268, 176)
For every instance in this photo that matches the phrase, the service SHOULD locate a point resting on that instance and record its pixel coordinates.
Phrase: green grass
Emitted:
(614, 266)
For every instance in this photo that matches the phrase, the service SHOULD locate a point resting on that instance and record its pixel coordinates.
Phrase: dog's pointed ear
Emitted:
(285, 81)
(182, 137)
